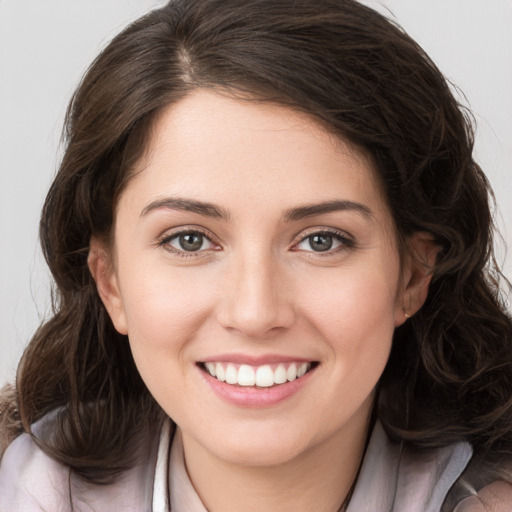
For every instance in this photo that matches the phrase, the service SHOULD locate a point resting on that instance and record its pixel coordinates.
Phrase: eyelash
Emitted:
(346, 242)
(166, 240)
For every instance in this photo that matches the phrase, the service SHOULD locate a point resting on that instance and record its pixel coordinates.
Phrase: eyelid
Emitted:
(348, 241)
(170, 234)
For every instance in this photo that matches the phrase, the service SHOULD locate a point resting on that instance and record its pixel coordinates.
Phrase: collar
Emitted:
(160, 483)
(396, 479)
(183, 495)
(172, 488)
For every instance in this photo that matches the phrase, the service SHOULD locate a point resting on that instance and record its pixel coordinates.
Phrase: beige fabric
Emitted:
(495, 497)
(392, 479)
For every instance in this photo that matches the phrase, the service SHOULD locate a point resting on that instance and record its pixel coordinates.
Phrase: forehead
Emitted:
(220, 148)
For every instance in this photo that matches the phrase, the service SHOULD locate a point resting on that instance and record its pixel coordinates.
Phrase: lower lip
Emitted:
(254, 397)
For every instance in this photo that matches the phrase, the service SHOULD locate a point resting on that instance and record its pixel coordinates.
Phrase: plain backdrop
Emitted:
(45, 46)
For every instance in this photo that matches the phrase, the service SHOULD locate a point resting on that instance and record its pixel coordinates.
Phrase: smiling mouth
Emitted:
(264, 376)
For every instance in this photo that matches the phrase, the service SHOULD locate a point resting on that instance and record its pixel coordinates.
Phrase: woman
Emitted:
(276, 290)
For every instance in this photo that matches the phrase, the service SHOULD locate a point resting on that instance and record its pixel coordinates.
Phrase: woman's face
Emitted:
(252, 245)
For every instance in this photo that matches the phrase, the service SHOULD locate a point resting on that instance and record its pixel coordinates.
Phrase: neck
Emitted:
(318, 479)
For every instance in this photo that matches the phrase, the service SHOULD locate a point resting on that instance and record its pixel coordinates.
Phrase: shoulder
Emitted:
(456, 481)
(494, 497)
(395, 477)
(485, 485)
(32, 481)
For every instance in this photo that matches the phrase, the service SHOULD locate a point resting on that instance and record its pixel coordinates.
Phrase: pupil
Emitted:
(320, 242)
(191, 241)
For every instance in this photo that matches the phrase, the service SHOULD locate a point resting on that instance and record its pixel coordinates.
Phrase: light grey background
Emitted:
(45, 46)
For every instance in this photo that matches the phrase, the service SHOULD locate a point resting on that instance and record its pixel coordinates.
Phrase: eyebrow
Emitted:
(311, 210)
(189, 205)
(292, 215)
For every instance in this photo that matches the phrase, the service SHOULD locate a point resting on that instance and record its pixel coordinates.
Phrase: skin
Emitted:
(256, 286)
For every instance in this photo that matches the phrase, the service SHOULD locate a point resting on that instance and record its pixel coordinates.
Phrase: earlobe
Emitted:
(417, 275)
(102, 270)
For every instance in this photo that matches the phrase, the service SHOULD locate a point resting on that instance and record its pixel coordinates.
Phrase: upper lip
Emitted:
(255, 360)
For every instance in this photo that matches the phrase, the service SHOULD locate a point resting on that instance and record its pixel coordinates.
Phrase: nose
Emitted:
(256, 299)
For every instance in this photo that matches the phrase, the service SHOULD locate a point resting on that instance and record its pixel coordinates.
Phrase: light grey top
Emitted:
(391, 479)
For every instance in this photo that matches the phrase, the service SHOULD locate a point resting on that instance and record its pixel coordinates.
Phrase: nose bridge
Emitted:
(255, 300)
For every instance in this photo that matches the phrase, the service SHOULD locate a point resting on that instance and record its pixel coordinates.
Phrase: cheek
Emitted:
(163, 316)
(164, 309)
(355, 312)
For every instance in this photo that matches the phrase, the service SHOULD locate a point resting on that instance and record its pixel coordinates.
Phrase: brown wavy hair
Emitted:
(449, 376)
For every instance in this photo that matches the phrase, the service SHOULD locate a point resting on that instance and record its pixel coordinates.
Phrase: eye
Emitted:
(187, 241)
(324, 241)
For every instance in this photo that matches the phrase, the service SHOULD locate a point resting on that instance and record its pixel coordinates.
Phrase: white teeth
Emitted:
(301, 370)
(219, 372)
(291, 373)
(231, 374)
(262, 376)
(246, 376)
(280, 375)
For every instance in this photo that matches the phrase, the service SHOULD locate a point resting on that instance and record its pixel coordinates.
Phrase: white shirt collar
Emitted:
(160, 484)
(184, 497)
(172, 488)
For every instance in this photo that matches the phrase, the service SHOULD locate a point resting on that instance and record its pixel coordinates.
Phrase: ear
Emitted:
(416, 275)
(101, 266)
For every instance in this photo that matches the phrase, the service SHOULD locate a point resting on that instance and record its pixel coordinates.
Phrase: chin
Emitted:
(260, 449)
(260, 456)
